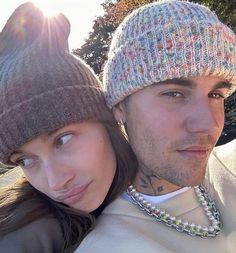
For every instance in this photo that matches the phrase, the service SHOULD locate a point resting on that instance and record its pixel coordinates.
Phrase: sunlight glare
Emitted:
(48, 7)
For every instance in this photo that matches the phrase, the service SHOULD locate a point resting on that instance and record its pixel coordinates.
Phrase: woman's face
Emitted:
(74, 165)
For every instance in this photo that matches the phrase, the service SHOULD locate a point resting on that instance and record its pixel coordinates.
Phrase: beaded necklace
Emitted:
(159, 215)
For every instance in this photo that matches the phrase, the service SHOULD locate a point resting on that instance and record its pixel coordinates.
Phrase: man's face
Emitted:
(173, 126)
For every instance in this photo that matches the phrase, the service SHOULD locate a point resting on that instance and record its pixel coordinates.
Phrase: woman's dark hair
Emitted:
(21, 203)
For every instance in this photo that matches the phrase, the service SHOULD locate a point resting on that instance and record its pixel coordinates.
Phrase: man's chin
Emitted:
(191, 182)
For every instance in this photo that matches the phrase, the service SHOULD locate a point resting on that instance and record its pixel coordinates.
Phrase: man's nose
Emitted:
(205, 118)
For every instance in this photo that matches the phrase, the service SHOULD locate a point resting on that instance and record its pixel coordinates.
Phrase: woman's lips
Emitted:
(73, 195)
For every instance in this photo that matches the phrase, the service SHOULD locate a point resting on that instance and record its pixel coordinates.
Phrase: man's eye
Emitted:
(216, 95)
(63, 139)
(174, 94)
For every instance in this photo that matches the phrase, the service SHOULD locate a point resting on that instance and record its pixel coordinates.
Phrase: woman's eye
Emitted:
(24, 162)
(63, 139)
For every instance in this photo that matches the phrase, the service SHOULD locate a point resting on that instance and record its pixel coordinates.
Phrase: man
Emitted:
(170, 66)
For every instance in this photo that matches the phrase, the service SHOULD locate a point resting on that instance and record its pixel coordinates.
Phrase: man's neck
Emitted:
(148, 182)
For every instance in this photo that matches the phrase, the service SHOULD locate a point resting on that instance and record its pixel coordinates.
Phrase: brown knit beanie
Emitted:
(42, 86)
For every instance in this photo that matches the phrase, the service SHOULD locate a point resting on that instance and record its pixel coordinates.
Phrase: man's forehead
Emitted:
(216, 82)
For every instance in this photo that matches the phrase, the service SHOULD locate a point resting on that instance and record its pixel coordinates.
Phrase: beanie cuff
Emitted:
(39, 117)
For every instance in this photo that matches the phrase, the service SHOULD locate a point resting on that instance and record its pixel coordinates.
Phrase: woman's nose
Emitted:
(58, 175)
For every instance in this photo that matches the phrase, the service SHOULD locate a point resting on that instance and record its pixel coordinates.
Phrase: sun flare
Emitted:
(48, 7)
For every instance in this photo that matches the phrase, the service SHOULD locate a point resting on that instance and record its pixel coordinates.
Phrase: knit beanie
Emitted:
(42, 86)
(166, 40)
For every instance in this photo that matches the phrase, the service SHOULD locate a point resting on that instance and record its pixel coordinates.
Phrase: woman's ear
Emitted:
(119, 112)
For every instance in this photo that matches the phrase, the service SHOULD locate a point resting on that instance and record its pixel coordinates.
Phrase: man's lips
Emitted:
(73, 195)
(198, 152)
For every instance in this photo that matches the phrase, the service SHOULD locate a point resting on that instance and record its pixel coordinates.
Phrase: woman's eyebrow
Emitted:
(44, 136)
(17, 152)
(50, 134)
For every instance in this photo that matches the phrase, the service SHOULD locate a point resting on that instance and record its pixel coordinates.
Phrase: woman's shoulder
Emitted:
(42, 235)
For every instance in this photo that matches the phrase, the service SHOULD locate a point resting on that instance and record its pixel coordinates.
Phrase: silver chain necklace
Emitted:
(159, 215)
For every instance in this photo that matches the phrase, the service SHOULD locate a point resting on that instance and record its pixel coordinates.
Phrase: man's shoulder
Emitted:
(227, 148)
(111, 230)
(226, 155)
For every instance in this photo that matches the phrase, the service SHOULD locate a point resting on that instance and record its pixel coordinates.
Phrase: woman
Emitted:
(56, 127)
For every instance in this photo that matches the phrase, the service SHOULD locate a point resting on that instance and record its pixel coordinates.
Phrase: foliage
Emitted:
(225, 10)
(95, 49)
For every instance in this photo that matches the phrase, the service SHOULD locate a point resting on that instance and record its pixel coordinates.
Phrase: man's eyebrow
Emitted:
(223, 84)
(192, 84)
(179, 81)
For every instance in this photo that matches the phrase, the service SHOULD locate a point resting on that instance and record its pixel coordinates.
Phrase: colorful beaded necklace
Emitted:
(159, 215)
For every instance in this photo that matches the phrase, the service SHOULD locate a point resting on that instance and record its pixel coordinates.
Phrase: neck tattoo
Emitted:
(164, 217)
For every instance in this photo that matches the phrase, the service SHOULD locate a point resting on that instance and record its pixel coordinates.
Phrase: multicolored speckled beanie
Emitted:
(43, 87)
(166, 40)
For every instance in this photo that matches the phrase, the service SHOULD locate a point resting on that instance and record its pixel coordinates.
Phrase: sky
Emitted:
(81, 14)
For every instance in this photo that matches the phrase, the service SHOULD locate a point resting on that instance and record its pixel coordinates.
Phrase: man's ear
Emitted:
(119, 112)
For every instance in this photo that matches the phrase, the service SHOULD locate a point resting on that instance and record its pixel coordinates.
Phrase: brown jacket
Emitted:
(40, 236)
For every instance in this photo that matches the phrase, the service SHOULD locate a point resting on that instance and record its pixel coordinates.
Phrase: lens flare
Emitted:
(49, 8)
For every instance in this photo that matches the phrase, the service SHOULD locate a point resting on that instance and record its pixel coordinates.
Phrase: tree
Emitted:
(225, 10)
(95, 49)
